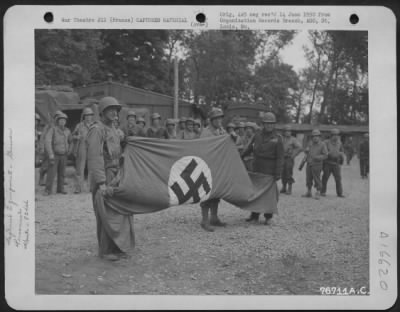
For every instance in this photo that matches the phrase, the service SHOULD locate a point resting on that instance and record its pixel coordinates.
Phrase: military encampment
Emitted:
(210, 162)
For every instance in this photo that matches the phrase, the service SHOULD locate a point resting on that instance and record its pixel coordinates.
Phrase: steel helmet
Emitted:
(230, 125)
(141, 119)
(37, 117)
(240, 125)
(190, 120)
(269, 118)
(316, 132)
(215, 113)
(287, 128)
(155, 116)
(107, 102)
(170, 121)
(183, 119)
(250, 124)
(197, 122)
(131, 112)
(58, 112)
(87, 111)
(335, 131)
(61, 116)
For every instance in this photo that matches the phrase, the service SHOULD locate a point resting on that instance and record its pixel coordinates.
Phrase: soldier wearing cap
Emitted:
(188, 133)
(140, 125)
(267, 147)
(363, 155)
(156, 130)
(197, 127)
(114, 230)
(291, 148)
(79, 147)
(316, 153)
(332, 163)
(57, 144)
(214, 129)
(170, 124)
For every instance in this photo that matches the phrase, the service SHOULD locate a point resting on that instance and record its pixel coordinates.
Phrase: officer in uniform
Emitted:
(57, 144)
(214, 128)
(267, 147)
(316, 153)
(364, 157)
(114, 231)
(156, 131)
(197, 128)
(170, 124)
(141, 124)
(188, 133)
(332, 163)
(291, 148)
(79, 151)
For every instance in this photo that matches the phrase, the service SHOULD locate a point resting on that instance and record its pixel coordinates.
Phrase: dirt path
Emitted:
(310, 244)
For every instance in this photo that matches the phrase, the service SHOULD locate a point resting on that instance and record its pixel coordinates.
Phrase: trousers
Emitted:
(80, 164)
(287, 170)
(364, 167)
(333, 169)
(58, 167)
(313, 175)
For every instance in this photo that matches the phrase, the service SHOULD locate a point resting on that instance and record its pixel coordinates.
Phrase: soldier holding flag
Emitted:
(214, 128)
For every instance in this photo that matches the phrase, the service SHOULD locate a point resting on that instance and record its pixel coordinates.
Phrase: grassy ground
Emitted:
(309, 244)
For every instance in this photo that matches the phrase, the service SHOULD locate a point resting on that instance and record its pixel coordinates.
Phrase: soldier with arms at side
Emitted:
(291, 148)
(156, 130)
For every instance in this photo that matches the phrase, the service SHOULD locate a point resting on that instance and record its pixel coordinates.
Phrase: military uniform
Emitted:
(114, 230)
(349, 151)
(364, 158)
(331, 165)
(160, 133)
(57, 144)
(291, 148)
(316, 154)
(79, 135)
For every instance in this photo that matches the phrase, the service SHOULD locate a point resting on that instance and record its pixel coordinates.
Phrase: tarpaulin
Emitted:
(157, 174)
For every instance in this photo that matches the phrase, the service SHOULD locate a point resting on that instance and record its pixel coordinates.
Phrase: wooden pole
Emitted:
(176, 88)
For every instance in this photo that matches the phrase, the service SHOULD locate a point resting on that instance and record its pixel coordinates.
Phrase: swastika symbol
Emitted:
(190, 181)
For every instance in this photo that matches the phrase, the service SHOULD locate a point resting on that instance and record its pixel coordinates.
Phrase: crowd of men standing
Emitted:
(98, 145)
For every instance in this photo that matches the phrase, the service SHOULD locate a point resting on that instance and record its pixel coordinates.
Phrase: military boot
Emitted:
(307, 194)
(289, 190)
(205, 224)
(214, 220)
(283, 190)
(253, 217)
(317, 195)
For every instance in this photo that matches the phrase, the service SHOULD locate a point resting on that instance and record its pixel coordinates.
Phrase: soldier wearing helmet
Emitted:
(188, 133)
(130, 129)
(114, 230)
(57, 143)
(141, 124)
(79, 147)
(197, 127)
(213, 129)
(156, 130)
(181, 126)
(332, 164)
(267, 147)
(363, 154)
(170, 124)
(291, 148)
(316, 152)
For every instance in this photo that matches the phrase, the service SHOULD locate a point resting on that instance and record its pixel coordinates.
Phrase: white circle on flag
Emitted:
(189, 181)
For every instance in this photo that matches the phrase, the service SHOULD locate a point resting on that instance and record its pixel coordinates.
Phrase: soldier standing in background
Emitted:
(364, 157)
(349, 150)
(79, 147)
(333, 162)
(114, 230)
(121, 133)
(156, 131)
(130, 128)
(140, 124)
(181, 127)
(170, 124)
(316, 152)
(197, 128)
(57, 144)
(268, 159)
(291, 148)
(188, 133)
(250, 130)
(230, 128)
(213, 129)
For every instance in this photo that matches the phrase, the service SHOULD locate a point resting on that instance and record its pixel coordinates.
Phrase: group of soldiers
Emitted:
(99, 145)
